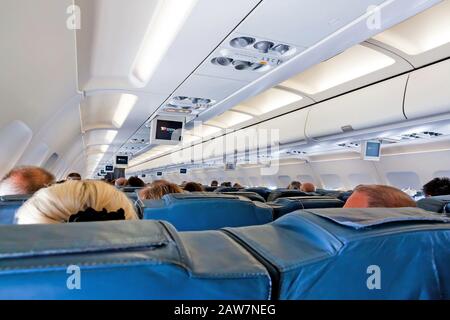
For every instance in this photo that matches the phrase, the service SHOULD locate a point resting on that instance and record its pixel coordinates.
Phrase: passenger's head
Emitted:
(294, 185)
(121, 182)
(308, 187)
(59, 202)
(378, 196)
(214, 183)
(73, 176)
(437, 187)
(25, 180)
(158, 189)
(193, 187)
(135, 182)
(225, 184)
(237, 185)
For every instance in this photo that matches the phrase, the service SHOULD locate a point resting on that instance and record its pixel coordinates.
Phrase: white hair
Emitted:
(58, 202)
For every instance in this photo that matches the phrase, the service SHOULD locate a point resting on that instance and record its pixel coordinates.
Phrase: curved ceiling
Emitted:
(84, 95)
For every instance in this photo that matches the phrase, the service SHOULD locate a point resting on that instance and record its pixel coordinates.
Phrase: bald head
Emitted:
(308, 187)
(378, 196)
(25, 180)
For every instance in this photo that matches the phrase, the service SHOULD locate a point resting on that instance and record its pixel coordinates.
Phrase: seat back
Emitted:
(262, 191)
(438, 204)
(284, 193)
(205, 211)
(283, 206)
(250, 195)
(371, 253)
(9, 206)
(125, 260)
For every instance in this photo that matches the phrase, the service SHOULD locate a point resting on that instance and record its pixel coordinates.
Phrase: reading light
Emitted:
(167, 21)
(242, 42)
(222, 61)
(126, 104)
(263, 46)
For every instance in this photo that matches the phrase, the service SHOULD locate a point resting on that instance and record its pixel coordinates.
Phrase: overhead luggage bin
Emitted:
(369, 107)
(125, 260)
(427, 93)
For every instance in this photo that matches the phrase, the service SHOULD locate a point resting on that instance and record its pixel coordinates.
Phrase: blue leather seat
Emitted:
(284, 193)
(126, 260)
(250, 195)
(438, 204)
(312, 254)
(9, 206)
(284, 206)
(262, 191)
(340, 253)
(206, 211)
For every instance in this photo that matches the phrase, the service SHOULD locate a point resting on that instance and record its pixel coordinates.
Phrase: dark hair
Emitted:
(437, 187)
(135, 182)
(225, 184)
(381, 196)
(193, 187)
(214, 183)
(73, 176)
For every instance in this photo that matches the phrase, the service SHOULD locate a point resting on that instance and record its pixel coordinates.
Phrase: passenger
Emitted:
(214, 183)
(378, 196)
(158, 189)
(121, 182)
(225, 184)
(25, 180)
(136, 182)
(308, 187)
(237, 185)
(193, 187)
(73, 176)
(76, 201)
(294, 185)
(437, 187)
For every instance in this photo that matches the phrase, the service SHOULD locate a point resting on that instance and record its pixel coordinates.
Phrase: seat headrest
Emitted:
(227, 189)
(126, 260)
(317, 253)
(250, 195)
(283, 206)
(206, 211)
(283, 193)
(435, 204)
(15, 198)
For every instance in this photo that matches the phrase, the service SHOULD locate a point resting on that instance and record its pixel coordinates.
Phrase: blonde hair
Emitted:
(57, 203)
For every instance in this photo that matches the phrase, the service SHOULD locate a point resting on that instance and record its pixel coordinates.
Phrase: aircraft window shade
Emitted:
(284, 181)
(360, 178)
(331, 181)
(442, 173)
(158, 263)
(14, 139)
(305, 178)
(404, 180)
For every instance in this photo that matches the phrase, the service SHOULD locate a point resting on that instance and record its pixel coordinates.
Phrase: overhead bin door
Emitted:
(428, 91)
(289, 127)
(369, 107)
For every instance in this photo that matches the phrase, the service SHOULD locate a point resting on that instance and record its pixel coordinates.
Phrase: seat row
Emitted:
(310, 254)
